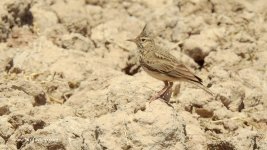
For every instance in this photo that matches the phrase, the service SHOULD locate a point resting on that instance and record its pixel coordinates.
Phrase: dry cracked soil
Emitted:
(69, 80)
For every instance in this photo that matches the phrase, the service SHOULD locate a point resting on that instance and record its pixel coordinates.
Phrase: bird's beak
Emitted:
(132, 40)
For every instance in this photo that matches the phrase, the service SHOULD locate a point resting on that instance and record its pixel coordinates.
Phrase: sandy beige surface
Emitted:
(70, 80)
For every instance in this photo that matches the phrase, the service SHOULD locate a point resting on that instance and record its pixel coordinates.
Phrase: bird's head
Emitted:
(143, 40)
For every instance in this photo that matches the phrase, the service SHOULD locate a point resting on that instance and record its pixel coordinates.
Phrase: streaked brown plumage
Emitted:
(163, 66)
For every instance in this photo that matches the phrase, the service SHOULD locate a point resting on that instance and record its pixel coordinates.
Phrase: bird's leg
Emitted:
(168, 93)
(166, 86)
(161, 92)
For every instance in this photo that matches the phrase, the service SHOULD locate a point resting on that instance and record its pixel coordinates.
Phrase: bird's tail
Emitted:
(199, 84)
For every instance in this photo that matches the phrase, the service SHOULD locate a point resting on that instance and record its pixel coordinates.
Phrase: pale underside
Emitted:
(159, 76)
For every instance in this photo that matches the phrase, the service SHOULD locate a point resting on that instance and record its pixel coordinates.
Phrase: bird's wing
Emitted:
(181, 69)
(169, 65)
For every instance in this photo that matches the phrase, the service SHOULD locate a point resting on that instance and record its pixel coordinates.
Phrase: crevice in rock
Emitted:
(39, 99)
(16, 120)
(184, 128)
(57, 146)
(217, 131)
(4, 110)
(197, 55)
(4, 31)
(95, 3)
(73, 85)
(200, 62)
(143, 108)
(241, 106)
(189, 108)
(66, 96)
(9, 65)
(97, 133)
(132, 65)
(5, 137)
(205, 113)
(213, 10)
(81, 27)
(114, 107)
(246, 123)
(255, 146)
(84, 145)
(107, 44)
(40, 124)
(21, 13)
(95, 44)
(222, 145)
(209, 85)
(126, 147)
(20, 143)
(131, 69)
(225, 101)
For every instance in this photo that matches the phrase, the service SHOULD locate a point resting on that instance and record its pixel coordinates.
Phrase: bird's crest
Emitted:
(144, 32)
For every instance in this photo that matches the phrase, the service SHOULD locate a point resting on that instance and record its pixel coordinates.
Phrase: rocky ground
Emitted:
(70, 80)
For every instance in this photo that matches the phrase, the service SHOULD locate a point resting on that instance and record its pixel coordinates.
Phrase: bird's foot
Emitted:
(158, 95)
(164, 94)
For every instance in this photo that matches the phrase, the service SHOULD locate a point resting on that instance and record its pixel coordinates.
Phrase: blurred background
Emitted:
(70, 80)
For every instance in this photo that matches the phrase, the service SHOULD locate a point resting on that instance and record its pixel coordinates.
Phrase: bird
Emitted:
(162, 65)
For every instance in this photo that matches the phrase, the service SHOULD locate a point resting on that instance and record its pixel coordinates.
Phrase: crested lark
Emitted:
(163, 66)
